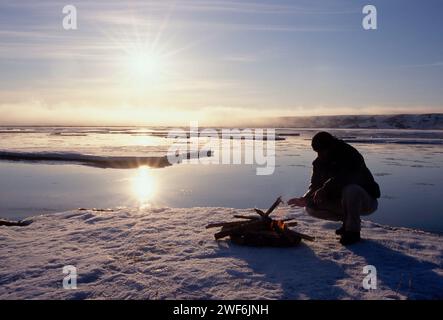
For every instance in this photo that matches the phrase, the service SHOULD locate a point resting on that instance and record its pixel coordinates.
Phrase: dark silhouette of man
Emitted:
(342, 187)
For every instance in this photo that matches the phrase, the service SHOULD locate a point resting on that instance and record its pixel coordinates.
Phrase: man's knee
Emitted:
(354, 191)
(355, 195)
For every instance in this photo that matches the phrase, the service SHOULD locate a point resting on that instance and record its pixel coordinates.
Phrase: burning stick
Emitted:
(224, 224)
(274, 205)
(246, 217)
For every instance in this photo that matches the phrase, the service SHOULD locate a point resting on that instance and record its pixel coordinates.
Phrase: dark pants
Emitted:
(355, 202)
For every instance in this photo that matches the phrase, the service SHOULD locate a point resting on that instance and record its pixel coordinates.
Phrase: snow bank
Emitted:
(166, 253)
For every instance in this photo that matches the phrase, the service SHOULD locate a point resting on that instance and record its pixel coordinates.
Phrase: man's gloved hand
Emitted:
(297, 202)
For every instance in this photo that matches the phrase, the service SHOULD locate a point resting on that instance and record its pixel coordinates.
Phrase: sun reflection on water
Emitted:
(143, 185)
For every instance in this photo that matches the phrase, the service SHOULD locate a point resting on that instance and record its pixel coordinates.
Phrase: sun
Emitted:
(147, 62)
(145, 66)
(145, 58)
(142, 60)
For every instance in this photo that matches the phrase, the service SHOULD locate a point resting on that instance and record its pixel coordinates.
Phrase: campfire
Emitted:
(260, 230)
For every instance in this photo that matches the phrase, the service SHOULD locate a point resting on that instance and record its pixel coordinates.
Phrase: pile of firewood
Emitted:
(260, 230)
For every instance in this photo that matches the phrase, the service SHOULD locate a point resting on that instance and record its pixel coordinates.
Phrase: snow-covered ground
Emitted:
(166, 253)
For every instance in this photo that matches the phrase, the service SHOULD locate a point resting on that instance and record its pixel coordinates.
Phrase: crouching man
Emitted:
(342, 187)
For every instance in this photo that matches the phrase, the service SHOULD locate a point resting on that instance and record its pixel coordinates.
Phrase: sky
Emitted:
(169, 62)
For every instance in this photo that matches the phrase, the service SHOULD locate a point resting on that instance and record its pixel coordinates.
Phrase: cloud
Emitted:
(40, 36)
(252, 7)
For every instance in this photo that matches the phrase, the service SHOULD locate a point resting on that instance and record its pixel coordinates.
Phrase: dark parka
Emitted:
(342, 166)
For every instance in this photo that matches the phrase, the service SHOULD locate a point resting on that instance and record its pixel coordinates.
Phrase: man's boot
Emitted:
(340, 230)
(350, 237)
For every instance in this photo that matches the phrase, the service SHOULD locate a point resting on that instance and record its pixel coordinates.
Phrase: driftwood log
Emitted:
(260, 230)
(21, 223)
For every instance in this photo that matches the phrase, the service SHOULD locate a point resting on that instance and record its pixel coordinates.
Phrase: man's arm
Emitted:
(315, 184)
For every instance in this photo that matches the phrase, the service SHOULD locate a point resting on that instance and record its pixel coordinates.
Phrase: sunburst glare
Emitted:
(143, 55)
